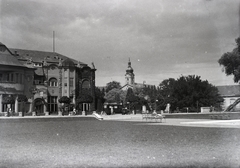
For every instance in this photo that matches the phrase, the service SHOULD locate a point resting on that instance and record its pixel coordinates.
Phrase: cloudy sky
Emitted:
(163, 38)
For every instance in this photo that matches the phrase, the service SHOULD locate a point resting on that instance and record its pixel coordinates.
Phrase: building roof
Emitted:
(10, 60)
(229, 90)
(39, 56)
(7, 58)
(68, 63)
(126, 86)
(39, 71)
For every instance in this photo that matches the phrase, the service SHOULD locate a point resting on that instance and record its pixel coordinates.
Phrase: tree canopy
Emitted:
(99, 94)
(130, 97)
(231, 62)
(8, 100)
(115, 96)
(112, 85)
(84, 98)
(22, 98)
(65, 100)
(188, 91)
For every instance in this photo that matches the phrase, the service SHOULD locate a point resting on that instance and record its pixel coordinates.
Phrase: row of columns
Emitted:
(86, 106)
(0, 103)
(15, 104)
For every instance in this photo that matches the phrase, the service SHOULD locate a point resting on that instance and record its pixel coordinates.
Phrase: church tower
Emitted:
(129, 76)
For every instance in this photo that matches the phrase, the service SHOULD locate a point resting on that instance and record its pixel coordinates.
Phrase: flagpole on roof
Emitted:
(53, 41)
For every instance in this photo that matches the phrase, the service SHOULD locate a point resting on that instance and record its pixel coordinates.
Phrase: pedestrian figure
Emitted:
(10, 111)
(74, 111)
(168, 108)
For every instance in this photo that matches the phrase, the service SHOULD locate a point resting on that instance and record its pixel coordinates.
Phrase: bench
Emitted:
(153, 116)
(220, 117)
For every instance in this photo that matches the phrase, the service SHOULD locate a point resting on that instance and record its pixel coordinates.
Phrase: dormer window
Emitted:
(38, 64)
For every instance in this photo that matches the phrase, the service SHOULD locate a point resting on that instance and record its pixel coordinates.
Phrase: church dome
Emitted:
(129, 69)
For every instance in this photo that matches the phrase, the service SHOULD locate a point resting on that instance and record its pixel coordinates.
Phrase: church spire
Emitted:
(129, 74)
(129, 69)
(129, 63)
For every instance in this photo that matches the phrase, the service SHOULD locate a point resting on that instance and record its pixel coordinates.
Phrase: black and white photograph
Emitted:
(119, 83)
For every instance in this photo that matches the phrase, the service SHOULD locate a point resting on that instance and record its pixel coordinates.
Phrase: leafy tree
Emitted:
(165, 93)
(115, 96)
(22, 98)
(112, 85)
(150, 94)
(99, 94)
(84, 98)
(231, 62)
(166, 87)
(190, 91)
(139, 92)
(99, 98)
(8, 100)
(65, 100)
(131, 98)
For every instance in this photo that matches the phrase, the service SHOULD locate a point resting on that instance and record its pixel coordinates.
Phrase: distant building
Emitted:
(230, 93)
(115, 107)
(44, 77)
(16, 80)
(130, 79)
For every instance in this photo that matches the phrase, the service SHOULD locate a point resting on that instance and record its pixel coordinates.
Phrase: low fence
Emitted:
(232, 115)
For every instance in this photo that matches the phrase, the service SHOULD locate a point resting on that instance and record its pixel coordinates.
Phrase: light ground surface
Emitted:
(178, 122)
(168, 121)
(85, 142)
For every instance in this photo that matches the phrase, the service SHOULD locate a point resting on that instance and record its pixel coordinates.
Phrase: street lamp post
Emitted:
(156, 104)
(197, 106)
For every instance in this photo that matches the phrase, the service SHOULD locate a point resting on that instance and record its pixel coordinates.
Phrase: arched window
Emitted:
(86, 84)
(53, 82)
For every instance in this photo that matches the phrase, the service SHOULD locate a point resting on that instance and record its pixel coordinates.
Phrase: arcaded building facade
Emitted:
(16, 80)
(51, 76)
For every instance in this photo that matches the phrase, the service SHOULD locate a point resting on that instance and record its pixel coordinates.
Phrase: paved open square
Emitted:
(87, 142)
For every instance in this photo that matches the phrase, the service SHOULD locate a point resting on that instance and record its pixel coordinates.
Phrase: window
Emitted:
(52, 103)
(65, 73)
(7, 77)
(21, 80)
(65, 90)
(71, 73)
(38, 64)
(71, 82)
(53, 82)
(16, 77)
(11, 77)
(86, 84)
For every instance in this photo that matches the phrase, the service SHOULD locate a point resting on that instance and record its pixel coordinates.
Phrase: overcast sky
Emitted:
(163, 38)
